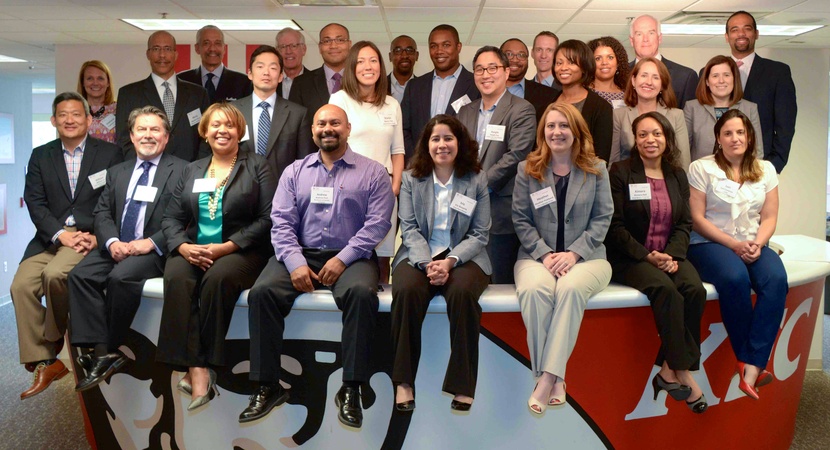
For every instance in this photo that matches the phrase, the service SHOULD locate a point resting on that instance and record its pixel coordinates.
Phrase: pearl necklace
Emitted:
(213, 199)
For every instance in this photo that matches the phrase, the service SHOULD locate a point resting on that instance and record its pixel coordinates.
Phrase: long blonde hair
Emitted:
(582, 152)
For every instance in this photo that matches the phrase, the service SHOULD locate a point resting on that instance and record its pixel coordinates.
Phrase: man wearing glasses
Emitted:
(540, 96)
(291, 44)
(403, 53)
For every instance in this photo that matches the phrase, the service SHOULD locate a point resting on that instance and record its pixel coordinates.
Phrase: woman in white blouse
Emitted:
(377, 127)
(734, 204)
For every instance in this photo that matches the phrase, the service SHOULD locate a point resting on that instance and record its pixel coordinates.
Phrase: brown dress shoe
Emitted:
(44, 376)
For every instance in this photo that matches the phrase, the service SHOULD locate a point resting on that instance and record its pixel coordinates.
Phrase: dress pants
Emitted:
(411, 295)
(502, 249)
(677, 301)
(273, 295)
(104, 296)
(752, 331)
(552, 309)
(38, 327)
(198, 306)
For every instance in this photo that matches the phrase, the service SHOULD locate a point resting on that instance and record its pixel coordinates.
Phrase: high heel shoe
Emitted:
(698, 406)
(535, 406)
(676, 390)
(559, 400)
(184, 386)
(750, 391)
(764, 378)
(406, 406)
(212, 391)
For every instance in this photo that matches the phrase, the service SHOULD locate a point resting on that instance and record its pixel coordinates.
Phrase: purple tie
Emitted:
(336, 77)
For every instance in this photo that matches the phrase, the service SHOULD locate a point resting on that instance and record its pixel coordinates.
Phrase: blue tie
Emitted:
(263, 128)
(134, 207)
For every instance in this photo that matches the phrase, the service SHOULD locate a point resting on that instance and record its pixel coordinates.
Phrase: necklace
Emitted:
(99, 113)
(213, 199)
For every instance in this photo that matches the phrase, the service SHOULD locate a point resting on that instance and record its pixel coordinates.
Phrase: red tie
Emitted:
(739, 63)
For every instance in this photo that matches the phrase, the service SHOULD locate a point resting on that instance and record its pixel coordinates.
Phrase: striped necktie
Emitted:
(263, 128)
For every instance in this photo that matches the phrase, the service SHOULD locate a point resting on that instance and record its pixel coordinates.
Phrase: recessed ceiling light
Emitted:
(223, 24)
(4, 58)
(717, 30)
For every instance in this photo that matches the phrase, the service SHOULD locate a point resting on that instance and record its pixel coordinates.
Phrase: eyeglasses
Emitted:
(165, 49)
(521, 56)
(408, 51)
(339, 41)
(490, 69)
(291, 47)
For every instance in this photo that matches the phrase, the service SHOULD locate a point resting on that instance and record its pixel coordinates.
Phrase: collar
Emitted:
(271, 100)
(492, 108)
(154, 161)
(157, 80)
(395, 80)
(437, 182)
(286, 77)
(82, 145)
(349, 158)
(330, 72)
(217, 71)
(657, 56)
(455, 74)
(747, 60)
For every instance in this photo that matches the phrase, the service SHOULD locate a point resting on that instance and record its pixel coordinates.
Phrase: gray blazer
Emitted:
(588, 211)
(623, 140)
(700, 121)
(468, 234)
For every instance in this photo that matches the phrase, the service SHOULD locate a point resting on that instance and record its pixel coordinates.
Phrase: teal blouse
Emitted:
(210, 231)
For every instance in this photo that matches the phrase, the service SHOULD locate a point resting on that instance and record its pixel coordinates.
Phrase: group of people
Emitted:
(492, 178)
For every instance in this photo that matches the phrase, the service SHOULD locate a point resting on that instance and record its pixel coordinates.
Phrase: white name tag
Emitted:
(145, 193)
(322, 195)
(247, 134)
(456, 105)
(387, 118)
(98, 179)
(543, 197)
(204, 185)
(109, 122)
(194, 117)
(494, 133)
(728, 188)
(617, 104)
(639, 191)
(463, 204)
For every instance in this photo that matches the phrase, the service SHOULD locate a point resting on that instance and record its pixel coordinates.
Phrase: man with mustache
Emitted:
(105, 287)
(291, 44)
(330, 211)
(539, 95)
(221, 83)
(403, 54)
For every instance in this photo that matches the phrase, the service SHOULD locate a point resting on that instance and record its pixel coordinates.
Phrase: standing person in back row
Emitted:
(222, 84)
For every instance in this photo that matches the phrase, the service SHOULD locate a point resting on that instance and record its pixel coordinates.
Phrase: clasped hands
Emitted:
(121, 250)
(80, 241)
(438, 271)
(558, 264)
(748, 251)
(301, 277)
(204, 255)
(662, 261)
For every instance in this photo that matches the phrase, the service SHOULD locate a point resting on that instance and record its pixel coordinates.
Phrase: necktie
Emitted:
(336, 77)
(134, 207)
(263, 128)
(741, 72)
(211, 89)
(739, 63)
(168, 101)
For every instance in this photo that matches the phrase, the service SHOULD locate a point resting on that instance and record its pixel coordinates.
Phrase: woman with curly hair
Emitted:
(612, 70)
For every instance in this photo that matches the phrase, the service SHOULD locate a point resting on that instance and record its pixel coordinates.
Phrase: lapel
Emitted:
(241, 157)
(199, 168)
(550, 183)
(322, 85)
(756, 73)
(151, 95)
(90, 152)
(460, 186)
(122, 183)
(182, 95)
(638, 175)
(246, 106)
(278, 119)
(459, 90)
(426, 197)
(711, 110)
(497, 118)
(575, 184)
(163, 172)
(672, 186)
(60, 167)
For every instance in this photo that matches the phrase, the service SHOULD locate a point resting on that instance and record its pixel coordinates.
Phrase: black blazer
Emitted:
(246, 205)
(417, 101)
(110, 207)
(629, 225)
(540, 96)
(279, 86)
(683, 81)
(49, 197)
(232, 85)
(600, 118)
(184, 140)
(310, 90)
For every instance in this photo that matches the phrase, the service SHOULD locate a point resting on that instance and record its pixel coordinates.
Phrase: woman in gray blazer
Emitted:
(445, 223)
(562, 208)
(717, 92)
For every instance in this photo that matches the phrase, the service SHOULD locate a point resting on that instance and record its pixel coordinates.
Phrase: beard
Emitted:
(329, 146)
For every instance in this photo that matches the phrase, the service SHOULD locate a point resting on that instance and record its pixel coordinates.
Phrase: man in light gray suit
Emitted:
(505, 127)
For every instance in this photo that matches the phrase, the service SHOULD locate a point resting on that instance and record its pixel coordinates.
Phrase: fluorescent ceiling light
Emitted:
(718, 30)
(4, 58)
(223, 24)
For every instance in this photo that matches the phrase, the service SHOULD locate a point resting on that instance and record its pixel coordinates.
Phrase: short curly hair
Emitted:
(616, 46)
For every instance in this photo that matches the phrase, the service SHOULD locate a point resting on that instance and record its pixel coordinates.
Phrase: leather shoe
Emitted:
(263, 400)
(43, 376)
(102, 368)
(348, 401)
(460, 406)
(85, 360)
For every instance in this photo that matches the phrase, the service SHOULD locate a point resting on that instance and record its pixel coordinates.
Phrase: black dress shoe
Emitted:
(460, 406)
(348, 401)
(263, 400)
(85, 360)
(102, 367)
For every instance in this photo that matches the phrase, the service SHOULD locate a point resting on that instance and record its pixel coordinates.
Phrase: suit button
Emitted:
(567, 220)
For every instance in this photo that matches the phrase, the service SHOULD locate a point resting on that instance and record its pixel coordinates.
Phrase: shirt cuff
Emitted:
(457, 260)
(158, 250)
(294, 261)
(109, 242)
(55, 237)
(348, 255)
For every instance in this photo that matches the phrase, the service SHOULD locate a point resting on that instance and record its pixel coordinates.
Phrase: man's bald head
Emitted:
(331, 129)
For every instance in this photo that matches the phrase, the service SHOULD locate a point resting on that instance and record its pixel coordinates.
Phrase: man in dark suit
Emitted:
(105, 287)
(403, 54)
(221, 83)
(645, 36)
(539, 95)
(544, 47)
(443, 91)
(291, 44)
(769, 84)
(182, 102)
(277, 128)
(63, 182)
(505, 128)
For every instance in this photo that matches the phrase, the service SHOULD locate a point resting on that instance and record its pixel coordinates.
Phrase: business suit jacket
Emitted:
(184, 140)
(588, 211)
(540, 96)
(468, 234)
(289, 137)
(246, 205)
(598, 114)
(500, 159)
(683, 80)
(417, 104)
(49, 197)
(700, 124)
(232, 85)
(279, 86)
(311, 91)
(770, 86)
(623, 140)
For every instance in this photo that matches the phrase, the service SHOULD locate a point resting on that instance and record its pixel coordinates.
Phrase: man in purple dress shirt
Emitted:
(330, 211)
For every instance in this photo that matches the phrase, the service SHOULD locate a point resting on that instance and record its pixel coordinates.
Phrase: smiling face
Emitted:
(265, 73)
(211, 47)
(517, 54)
(71, 119)
(443, 146)
(721, 82)
(488, 84)
(331, 129)
(95, 85)
(403, 55)
(292, 48)
(606, 61)
(543, 49)
(162, 54)
(444, 50)
(650, 140)
(645, 37)
(367, 69)
(558, 133)
(741, 35)
(732, 139)
(222, 134)
(647, 82)
(567, 73)
(334, 54)
(148, 136)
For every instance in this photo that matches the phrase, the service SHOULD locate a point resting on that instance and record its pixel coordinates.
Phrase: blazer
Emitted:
(588, 211)
(468, 234)
(279, 86)
(184, 140)
(311, 91)
(540, 96)
(500, 159)
(770, 86)
(683, 81)
(624, 138)
(416, 106)
(110, 207)
(289, 138)
(629, 225)
(246, 205)
(232, 85)
(700, 123)
(48, 196)
(598, 114)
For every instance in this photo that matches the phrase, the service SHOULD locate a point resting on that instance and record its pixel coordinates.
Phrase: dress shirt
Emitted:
(484, 117)
(256, 111)
(518, 89)
(397, 88)
(217, 73)
(745, 67)
(329, 80)
(73, 161)
(440, 238)
(287, 82)
(442, 90)
(355, 222)
(139, 224)
(548, 81)
(172, 81)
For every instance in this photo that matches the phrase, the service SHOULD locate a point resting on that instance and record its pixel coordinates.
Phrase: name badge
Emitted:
(204, 185)
(145, 193)
(456, 105)
(387, 118)
(639, 191)
(194, 117)
(617, 104)
(98, 179)
(494, 133)
(463, 204)
(109, 122)
(246, 136)
(322, 195)
(728, 188)
(543, 197)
